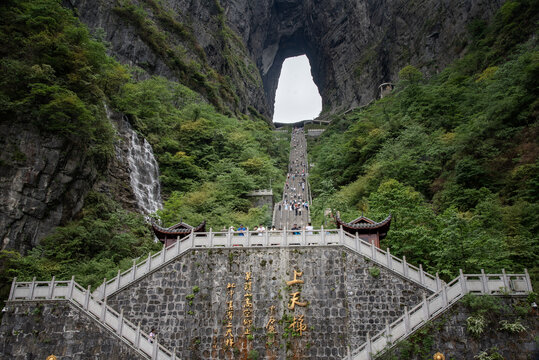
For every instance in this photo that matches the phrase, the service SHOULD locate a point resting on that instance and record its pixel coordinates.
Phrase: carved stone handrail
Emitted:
(282, 238)
(434, 305)
(97, 310)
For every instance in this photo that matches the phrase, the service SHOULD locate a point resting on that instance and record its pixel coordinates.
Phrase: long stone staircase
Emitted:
(286, 238)
(439, 302)
(442, 298)
(129, 333)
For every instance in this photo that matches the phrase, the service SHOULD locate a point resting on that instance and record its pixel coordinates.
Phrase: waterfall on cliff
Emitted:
(144, 173)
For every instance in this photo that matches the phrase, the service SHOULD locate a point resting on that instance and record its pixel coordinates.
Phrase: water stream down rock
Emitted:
(144, 173)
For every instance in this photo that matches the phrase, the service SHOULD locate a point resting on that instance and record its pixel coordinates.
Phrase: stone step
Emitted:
(129, 333)
(436, 304)
(284, 238)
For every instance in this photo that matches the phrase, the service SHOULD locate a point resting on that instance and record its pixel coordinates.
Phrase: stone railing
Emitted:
(315, 132)
(261, 192)
(284, 238)
(434, 305)
(98, 310)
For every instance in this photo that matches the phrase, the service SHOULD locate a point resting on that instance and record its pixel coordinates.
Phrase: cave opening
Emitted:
(297, 97)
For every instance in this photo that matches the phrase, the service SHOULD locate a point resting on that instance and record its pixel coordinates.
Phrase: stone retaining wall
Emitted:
(449, 335)
(35, 330)
(187, 302)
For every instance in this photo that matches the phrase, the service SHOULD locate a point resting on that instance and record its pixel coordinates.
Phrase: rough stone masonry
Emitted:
(345, 298)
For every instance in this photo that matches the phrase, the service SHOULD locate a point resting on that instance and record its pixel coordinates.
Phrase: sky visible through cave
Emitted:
(297, 96)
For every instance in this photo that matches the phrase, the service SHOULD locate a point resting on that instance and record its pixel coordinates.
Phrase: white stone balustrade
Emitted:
(282, 238)
(434, 305)
(97, 309)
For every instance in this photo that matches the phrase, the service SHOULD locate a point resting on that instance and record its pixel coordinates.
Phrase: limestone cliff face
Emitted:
(42, 182)
(44, 179)
(232, 52)
(353, 45)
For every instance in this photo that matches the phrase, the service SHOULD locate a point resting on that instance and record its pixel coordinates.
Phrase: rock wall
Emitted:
(353, 45)
(33, 331)
(448, 335)
(188, 301)
(43, 180)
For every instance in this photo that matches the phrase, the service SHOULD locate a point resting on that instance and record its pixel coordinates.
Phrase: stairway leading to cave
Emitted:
(291, 210)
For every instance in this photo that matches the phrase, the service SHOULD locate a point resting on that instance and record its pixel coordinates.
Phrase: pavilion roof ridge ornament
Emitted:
(180, 228)
(363, 222)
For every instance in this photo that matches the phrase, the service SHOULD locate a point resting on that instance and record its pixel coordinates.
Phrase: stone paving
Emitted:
(293, 209)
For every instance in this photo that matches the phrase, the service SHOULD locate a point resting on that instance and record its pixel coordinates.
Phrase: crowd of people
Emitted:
(293, 210)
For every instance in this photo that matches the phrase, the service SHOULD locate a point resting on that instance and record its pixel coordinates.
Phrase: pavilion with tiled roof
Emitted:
(169, 236)
(365, 228)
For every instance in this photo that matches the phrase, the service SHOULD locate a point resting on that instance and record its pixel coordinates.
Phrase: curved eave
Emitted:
(158, 230)
(181, 225)
(382, 226)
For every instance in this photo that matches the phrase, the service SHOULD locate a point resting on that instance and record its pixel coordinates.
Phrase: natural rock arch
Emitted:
(353, 45)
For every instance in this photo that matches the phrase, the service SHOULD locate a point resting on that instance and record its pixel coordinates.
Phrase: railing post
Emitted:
(248, 237)
(528, 280)
(373, 251)
(178, 246)
(421, 274)
(51, 288)
(173, 354)
(149, 262)
(120, 322)
(404, 266)
(285, 237)
(369, 347)
(211, 239)
(134, 270)
(438, 282)
(86, 298)
(406, 320)
(303, 240)
(505, 281)
(323, 235)
(358, 243)
(444, 296)
(154, 350)
(118, 279)
(104, 287)
(484, 282)
(12, 290)
(192, 235)
(163, 254)
(389, 259)
(426, 311)
(341, 235)
(463, 284)
(388, 332)
(103, 309)
(266, 238)
(137, 337)
(229, 239)
(71, 287)
(31, 292)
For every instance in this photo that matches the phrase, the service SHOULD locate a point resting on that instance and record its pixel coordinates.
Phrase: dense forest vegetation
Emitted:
(453, 158)
(57, 77)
